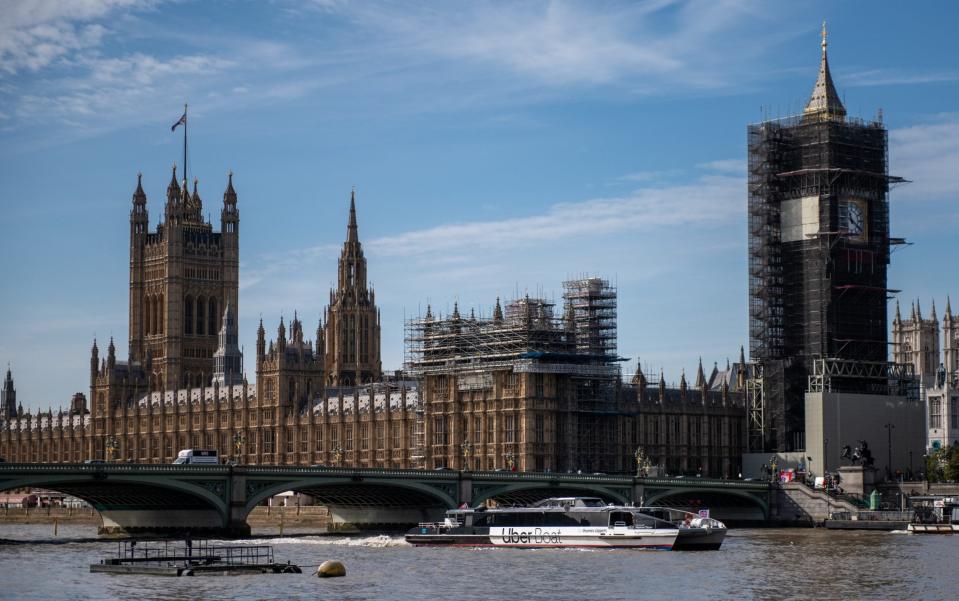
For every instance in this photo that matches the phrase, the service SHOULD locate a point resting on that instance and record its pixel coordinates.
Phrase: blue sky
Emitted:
(496, 148)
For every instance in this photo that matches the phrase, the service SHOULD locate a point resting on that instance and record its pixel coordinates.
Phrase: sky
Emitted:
(496, 149)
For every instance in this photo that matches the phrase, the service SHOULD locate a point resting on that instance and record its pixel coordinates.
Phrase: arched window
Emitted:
(148, 315)
(200, 312)
(155, 314)
(213, 316)
(161, 311)
(188, 316)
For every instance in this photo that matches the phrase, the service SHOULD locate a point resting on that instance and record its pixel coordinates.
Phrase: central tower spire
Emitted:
(352, 319)
(824, 103)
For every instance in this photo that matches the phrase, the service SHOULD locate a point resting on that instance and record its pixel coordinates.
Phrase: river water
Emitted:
(753, 564)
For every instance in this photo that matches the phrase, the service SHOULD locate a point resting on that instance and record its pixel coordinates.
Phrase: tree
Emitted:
(943, 464)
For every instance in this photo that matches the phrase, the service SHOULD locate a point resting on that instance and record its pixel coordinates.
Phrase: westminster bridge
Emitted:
(151, 499)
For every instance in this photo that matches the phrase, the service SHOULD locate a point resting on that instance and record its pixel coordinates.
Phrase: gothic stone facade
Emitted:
(916, 340)
(181, 278)
(537, 422)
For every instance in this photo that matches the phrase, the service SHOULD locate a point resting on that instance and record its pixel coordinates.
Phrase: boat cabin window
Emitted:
(620, 518)
(525, 518)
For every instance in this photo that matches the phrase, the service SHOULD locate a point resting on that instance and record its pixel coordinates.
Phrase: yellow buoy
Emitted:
(331, 569)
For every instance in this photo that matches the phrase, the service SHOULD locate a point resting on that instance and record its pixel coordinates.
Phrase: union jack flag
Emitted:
(181, 120)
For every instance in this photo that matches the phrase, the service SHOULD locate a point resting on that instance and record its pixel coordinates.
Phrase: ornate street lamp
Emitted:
(510, 460)
(111, 446)
(238, 441)
(467, 448)
(642, 462)
(337, 455)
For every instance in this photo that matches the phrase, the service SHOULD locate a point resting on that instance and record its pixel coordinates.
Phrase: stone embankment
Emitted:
(798, 504)
(260, 517)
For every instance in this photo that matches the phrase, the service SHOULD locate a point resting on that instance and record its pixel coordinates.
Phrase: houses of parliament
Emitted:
(327, 401)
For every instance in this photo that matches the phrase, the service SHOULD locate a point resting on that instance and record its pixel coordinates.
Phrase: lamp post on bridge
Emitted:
(510, 460)
(467, 448)
(642, 462)
(238, 441)
(110, 447)
(889, 428)
(337, 455)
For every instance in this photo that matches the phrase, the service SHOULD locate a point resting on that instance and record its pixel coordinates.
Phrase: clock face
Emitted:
(856, 221)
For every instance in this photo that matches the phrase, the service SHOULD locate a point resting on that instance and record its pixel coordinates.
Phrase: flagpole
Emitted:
(185, 121)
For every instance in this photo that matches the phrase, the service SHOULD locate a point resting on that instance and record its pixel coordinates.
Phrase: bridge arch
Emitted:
(727, 499)
(131, 504)
(335, 490)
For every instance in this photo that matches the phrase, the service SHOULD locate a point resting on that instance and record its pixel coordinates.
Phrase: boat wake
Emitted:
(376, 541)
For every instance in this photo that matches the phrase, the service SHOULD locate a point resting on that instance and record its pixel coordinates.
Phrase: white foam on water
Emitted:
(376, 541)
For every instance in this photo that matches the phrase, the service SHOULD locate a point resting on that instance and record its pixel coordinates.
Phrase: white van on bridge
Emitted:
(197, 456)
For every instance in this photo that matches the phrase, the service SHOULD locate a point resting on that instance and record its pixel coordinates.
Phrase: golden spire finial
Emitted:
(824, 37)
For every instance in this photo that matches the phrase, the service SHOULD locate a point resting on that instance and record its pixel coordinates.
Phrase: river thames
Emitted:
(753, 564)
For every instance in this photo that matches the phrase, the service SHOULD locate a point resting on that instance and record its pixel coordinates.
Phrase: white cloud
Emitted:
(36, 33)
(885, 77)
(650, 46)
(927, 155)
(730, 166)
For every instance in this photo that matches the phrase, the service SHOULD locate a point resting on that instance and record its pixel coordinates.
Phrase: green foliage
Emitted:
(943, 465)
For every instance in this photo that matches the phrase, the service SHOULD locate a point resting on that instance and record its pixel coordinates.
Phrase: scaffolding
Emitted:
(817, 286)
(526, 337)
(590, 311)
(527, 329)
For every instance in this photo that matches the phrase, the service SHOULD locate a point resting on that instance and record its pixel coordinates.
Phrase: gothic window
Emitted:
(539, 430)
(349, 436)
(291, 394)
(510, 429)
(439, 430)
(200, 311)
(160, 313)
(380, 435)
(188, 315)
(365, 436)
(213, 316)
(394, 435)
(148, 316)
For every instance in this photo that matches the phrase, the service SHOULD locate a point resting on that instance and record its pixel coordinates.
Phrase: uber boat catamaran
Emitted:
(560, 522)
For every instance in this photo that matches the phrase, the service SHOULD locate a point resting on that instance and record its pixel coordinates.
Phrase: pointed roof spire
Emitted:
(456, 310)
(898, 317)
(933, 316)
(229, 195)
(429, 312)
(139, 196)
(948, 308)
(351, 229)
(173, 188)
(497, 312)
(700, 375)
(912, 314)
(824, 103)
(682, 382)
(918, 309)
(742, 355)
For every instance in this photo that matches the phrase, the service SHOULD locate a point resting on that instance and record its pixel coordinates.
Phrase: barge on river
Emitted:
(191, 558)
(571, 522)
